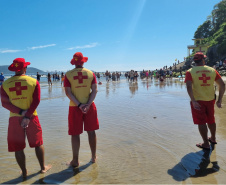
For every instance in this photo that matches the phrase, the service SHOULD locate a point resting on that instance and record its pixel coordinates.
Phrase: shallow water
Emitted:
(146, 136)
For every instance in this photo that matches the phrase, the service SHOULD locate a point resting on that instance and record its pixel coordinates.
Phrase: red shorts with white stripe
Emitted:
(205, 114)
(17, 134)
(76, 119)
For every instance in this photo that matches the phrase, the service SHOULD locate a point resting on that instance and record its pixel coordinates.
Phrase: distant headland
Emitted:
(32, 70)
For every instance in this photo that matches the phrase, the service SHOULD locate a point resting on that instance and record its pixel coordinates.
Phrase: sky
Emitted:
(115, 35)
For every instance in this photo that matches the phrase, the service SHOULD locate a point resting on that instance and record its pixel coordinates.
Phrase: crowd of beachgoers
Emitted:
(133, 75)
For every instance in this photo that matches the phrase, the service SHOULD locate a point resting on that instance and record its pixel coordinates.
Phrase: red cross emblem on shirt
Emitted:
(204, 78)
(80, 77)
(18, 88)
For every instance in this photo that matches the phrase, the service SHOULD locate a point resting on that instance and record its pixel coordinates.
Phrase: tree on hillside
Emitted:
(213, 31)
(204, 30)
(220, 39)
(219, 14)
(213, 22)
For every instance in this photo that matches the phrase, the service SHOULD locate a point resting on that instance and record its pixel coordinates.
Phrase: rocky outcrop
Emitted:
(188, 63)
(214, 56)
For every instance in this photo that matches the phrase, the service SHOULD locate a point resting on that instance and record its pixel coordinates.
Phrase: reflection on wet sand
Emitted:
(107, 89)
(20, 179)
(146, 136)
(55, 178)
(68, 175)
(133, 87)
(50, 89)
(195, 165)
(208, 165)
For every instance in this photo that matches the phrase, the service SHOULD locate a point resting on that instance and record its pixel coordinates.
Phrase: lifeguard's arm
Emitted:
(189, 90)
(92, 94)
(35, 102)
(71, 96)
(221, 85)
(67, 87)
(188, 80)
(7, 104)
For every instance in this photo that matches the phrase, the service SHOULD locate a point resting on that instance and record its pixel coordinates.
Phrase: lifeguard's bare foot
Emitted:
(93, 159)
(24, 174)
(212, 140)
(48, 167)
(202, 145)
(74, 164)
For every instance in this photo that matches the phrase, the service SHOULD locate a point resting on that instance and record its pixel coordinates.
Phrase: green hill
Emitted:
(30, 70)
(213, 31)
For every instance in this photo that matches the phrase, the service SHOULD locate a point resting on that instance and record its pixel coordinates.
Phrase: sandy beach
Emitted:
(146, 136)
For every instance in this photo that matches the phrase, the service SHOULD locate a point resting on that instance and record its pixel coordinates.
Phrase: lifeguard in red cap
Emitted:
(81, 88)
(200, 86)
(20, 94)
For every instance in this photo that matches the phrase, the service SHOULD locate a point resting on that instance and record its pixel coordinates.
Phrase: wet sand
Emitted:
(146, 136)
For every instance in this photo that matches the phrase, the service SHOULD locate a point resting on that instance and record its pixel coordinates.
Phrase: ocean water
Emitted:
(146, 136)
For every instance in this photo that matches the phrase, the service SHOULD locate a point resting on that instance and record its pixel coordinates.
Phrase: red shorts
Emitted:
(76, 119)
(17, 134)
(205, 114)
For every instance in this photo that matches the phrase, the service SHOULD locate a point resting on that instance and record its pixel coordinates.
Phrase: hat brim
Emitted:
(12, 67)
(85, 59)
(199, 57)
(73, 62)
(27, 64)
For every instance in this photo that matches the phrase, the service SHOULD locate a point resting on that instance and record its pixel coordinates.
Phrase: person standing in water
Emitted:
(81, 88)
(20, 94)
(38, 76)
(49, 79)
(200, 86)
(62, 78)
(2, 78)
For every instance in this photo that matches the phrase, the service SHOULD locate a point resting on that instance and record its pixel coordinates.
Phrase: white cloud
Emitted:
(92, 45)
(9, 51)
(44, 46)
(32, 48)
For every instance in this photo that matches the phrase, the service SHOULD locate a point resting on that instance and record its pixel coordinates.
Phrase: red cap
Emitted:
(78, 59)
(199, 56)
(18, 64)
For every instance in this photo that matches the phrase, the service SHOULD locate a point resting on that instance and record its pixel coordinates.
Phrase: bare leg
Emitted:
(93, 144)
(212, 128)
(40, 155)
(75, 142)
(21, 160)
(204, 133)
